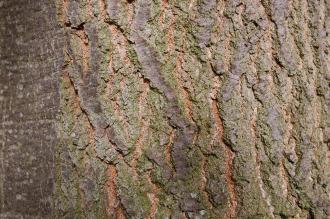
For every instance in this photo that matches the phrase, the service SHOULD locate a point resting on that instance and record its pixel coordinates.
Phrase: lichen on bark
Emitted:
(202, 108)
(192, 109)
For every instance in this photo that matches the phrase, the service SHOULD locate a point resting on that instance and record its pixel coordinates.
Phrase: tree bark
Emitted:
(165, 109)
(30, 60)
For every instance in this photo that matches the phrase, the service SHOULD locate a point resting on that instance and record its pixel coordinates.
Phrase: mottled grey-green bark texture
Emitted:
(164, 109)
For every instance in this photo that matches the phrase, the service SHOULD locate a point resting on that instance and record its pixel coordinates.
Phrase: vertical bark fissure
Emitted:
(264, 194)
(230, 155)
(203, 183)
(144, 127)
(153, 198)
(114, 208)
(187, 104)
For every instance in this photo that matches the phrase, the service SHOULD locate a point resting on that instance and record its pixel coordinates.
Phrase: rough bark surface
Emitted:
(170, 109)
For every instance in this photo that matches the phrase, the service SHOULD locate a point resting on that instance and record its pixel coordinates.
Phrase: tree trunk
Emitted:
(165, 109)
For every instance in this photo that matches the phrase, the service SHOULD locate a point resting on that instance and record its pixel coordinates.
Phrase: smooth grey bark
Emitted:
(30, 65)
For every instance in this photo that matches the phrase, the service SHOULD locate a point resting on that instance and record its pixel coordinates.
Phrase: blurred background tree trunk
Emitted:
(165, 109)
